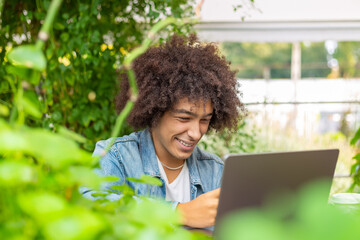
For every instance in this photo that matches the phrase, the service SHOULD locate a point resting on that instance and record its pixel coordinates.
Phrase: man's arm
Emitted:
(200, 212)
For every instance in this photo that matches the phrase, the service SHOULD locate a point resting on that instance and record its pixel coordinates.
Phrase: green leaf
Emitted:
(354, 169)
(124, 189)
(48, 147)
(4, 110)
(59, 26)
(64, 37)
(95, 36)
(99, 194)
(76, 224)
(99, 125)
(86, 118)
(85, 176)
(49, 53)
(34, 77)
(161, 214)
(42, 206)
(79, 176)
(357, 156)
(30, 108)
(355, 138)
(250, 224)
(70, 134)
(146, 179)
(154, 14)
(20, 72)
(14, 173)
(28, 56)
(110, 178)
(57, 116)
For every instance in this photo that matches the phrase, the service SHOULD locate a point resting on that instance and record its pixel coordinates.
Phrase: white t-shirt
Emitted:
(179, 189)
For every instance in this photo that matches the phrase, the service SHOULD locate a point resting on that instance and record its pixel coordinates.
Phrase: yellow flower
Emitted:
(103, 47)
(123, 51)
(64, 60)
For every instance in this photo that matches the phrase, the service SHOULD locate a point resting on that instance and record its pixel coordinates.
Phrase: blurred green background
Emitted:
(56, 101)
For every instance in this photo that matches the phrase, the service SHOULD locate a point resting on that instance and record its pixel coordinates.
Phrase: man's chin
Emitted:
(184, 156)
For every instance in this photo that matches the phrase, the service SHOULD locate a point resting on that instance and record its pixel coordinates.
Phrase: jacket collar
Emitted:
(148, 154)
(149, 158)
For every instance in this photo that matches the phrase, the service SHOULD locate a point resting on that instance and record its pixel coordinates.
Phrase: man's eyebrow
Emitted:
(190, 113)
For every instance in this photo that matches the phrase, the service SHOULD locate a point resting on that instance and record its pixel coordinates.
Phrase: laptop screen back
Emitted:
(248, 179)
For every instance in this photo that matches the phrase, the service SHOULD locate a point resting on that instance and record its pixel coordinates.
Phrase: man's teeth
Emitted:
(184, 143)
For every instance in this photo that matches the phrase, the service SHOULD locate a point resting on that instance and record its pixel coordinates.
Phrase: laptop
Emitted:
(249, 179)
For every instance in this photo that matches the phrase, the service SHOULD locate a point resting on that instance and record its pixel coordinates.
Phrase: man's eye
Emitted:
(184, 118)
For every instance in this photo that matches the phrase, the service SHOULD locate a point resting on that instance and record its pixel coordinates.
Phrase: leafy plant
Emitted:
(355, 169)
(305, 215)
(85, 48)
(241, 140)
(41, 171)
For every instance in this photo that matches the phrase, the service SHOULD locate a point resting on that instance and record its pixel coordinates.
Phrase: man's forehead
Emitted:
(193, 105)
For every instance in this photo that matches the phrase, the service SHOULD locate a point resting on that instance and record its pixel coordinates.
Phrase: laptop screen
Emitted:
(249, 179)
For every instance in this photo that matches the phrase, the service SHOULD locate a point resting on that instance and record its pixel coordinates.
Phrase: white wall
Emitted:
(281, 10)
(310, 118)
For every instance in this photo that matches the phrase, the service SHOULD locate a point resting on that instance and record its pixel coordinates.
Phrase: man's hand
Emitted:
(201, 211)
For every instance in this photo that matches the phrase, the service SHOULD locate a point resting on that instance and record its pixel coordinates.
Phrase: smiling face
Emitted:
(180, 129)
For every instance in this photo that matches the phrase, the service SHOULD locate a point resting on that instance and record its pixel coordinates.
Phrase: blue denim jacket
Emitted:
(134, 155)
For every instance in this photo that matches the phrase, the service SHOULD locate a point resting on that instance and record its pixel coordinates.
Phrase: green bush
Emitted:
(86, 47)
(355, 169)
(41, 170)
(239, 141)
(305, 215)
(70, 85)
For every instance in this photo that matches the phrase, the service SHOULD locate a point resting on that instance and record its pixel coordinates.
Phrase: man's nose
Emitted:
(194, 131)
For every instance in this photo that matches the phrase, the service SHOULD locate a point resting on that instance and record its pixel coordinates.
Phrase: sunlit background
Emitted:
(298, 68)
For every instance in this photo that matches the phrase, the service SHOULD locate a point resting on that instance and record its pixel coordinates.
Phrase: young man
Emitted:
(185, 89)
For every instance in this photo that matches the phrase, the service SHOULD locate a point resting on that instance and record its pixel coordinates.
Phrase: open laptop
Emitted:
(248, 179)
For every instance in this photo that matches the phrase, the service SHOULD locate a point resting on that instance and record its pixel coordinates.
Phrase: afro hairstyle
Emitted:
(182, 67)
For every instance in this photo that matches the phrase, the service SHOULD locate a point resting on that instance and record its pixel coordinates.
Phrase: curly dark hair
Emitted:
(182, 68)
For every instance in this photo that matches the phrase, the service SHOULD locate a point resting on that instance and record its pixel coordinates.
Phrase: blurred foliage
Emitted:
(48, 95)
(239, 141)
(256, 60)
(41, 170)
(314, 60)
(40, 198)
(355, 169)
(273, 60)
(86, 48)
(348, 57)
(305, 215)
(40, 173)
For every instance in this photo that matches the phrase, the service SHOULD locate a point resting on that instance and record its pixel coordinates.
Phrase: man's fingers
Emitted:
(215, 203)
(215, 193)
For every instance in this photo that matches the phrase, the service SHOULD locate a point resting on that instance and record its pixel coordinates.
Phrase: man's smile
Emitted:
(186, 144)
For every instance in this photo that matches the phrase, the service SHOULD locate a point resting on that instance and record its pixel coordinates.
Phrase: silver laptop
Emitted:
(249, 179)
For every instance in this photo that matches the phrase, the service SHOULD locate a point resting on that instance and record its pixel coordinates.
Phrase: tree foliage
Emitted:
(254, 59)
(41, 171)
(87, 45)
(348, 57)
(355, 168)
(264, 60)
(314, 60)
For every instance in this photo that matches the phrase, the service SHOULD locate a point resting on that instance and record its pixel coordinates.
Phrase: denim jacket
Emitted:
(134, 155)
